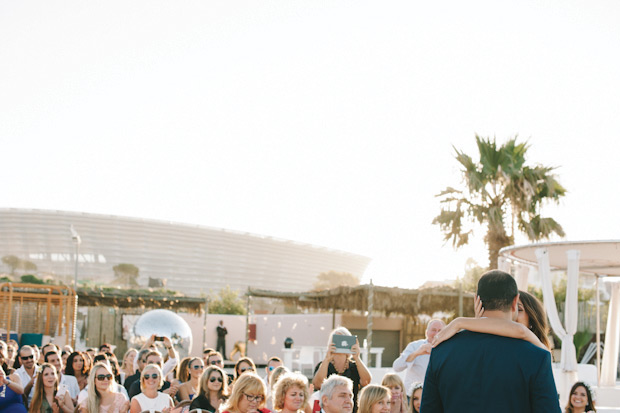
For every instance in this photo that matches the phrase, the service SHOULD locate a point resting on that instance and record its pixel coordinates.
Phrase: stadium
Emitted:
(187, 258)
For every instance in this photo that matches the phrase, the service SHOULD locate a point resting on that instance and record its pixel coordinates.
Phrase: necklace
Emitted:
(340, 371)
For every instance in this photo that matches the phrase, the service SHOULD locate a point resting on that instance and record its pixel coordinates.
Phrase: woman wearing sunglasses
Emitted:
(151, 398)
(248, 395)
(189, 389)
(245, 364)
(47, 398)
(213, 390)
(102, 395)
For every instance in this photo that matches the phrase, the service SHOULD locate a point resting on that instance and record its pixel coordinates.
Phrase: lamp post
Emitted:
(78, 240)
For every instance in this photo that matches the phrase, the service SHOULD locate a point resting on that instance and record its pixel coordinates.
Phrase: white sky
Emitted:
(326, 122)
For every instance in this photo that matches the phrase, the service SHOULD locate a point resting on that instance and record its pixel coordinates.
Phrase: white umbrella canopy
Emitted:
(597, 257)
(601, 258)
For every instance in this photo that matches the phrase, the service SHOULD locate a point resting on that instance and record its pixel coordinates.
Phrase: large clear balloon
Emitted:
(162, 323)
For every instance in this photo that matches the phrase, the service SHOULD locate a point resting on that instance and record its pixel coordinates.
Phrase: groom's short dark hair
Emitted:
(497, 289)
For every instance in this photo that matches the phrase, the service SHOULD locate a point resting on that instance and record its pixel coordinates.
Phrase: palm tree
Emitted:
(500, 192)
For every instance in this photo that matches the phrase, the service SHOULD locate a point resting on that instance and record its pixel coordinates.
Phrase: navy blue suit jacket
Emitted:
(484, 373)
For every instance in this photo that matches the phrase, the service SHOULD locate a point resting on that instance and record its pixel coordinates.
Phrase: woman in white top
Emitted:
(151, 399)
(102, 395)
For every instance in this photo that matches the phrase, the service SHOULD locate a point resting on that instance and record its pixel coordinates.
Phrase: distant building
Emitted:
(188, 258)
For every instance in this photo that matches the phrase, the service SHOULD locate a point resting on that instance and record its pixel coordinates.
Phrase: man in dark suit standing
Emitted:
(221, 339)
(475, 372)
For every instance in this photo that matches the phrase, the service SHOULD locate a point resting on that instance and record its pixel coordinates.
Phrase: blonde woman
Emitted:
(375, 399)
(151, 398)
(126, 369)
(397, 388)
(102, 395)
(290, 394)
(46, 398)
(343, 364)
(213, 390)
(190, 388)
(248, 395)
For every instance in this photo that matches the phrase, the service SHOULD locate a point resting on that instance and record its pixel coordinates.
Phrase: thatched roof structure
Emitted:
(386, 300)
(140, 299)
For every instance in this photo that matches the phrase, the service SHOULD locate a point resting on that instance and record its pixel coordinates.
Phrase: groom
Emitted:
(475, 372)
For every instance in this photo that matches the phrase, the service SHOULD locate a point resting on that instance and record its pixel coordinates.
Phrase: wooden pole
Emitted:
(247, 323)
(369, 320)
(598, 335)
(460, 297)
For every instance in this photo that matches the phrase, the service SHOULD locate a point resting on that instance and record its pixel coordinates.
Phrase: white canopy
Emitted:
(597, 257)
(601, 258)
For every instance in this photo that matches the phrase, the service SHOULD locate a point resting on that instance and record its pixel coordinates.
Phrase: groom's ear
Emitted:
(514, 307)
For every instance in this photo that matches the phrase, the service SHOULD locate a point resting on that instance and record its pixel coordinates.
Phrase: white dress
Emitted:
(156, 404)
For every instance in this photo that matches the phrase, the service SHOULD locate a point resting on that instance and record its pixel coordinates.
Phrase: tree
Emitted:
(226, 302)
(333, 279)
(12, 261)
(17, 263)
(28, 265)
(31, 279)
(473, 272)
(126, 274)
(500, 191)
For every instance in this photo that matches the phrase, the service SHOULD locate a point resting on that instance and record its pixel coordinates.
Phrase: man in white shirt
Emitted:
(416, 356)
(28, 368)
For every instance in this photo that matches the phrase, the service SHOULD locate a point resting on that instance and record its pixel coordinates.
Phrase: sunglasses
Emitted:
(214, 379)
(102, 377)
(216, 362)
(151, 376)
(30, 357)
(244, 369)
(198, 367)
(253, 398)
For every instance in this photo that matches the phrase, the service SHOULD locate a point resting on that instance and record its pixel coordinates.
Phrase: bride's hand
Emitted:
(446, 332)
(478, 309)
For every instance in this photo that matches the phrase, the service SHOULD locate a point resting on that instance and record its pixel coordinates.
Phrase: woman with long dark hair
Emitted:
(244, 364)
(213, 390)
(416, 397)
(580, 399)
(78, 366)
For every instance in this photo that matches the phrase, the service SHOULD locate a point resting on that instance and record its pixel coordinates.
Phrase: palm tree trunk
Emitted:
(496, 239)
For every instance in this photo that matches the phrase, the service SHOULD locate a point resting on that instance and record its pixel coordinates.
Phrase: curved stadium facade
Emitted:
(192, 259)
